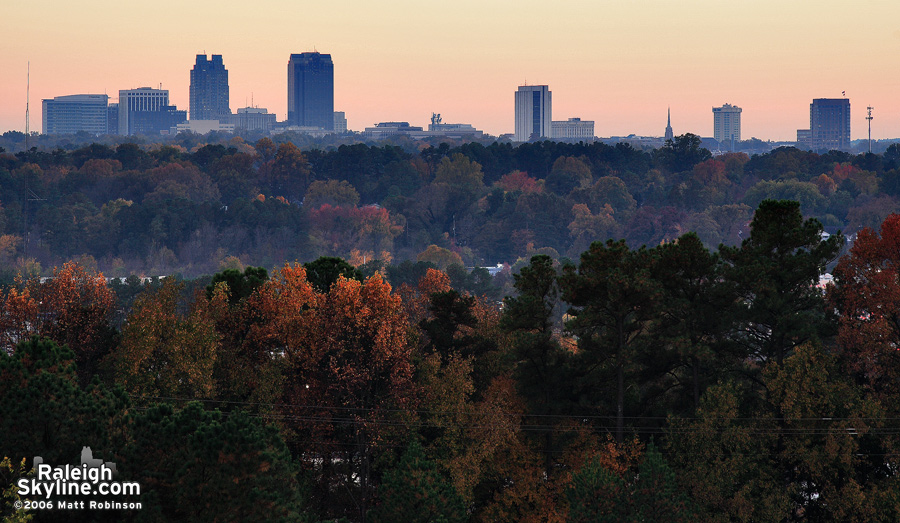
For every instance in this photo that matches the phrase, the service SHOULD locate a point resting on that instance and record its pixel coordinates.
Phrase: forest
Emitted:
(663, 383)
(199, 208)
(268, 332)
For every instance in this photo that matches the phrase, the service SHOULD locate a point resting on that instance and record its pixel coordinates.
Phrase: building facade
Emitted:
(340, 122)
(253, 119)
(533, 113)
(209, 89)
(829, 124)
(147, 111)
(311, 90)
(727, 125)
(573, 130)
(76, 113)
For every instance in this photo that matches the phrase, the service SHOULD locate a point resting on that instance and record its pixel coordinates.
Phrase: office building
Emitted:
(533, 113)
(209, 89)
(112, 118)
(340, 122)
(829, 124)
(727, 125)
(253, 119)
(76, 113)
(804, 139)
(147, 111)
(572, 130)
(203, 127)
(311, 91)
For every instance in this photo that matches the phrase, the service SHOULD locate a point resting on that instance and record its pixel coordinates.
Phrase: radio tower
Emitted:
(25, 174)
(869, 118)
(27, 100)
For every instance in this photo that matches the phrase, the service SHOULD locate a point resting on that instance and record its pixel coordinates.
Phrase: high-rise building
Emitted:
(147, 111)
(112, 118)
(340, 122)
(75, 113)
(311, 90)
(209, 89)
(727, 125)
(533, 112)
(669, 133)
(829, 124)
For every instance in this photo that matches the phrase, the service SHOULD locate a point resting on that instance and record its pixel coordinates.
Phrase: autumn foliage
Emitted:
(665, 383)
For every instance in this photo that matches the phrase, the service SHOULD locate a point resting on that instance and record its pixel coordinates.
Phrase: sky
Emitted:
(620, 63)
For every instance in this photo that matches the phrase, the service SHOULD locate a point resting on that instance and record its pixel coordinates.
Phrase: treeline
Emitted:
(670, 383)
(163, 209)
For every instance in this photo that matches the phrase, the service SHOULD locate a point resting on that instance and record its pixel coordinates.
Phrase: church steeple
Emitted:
(669, 134)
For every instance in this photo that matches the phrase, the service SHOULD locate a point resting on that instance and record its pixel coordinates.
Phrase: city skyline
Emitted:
(618, 65)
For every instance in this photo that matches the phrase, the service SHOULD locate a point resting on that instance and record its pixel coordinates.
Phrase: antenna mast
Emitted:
(27, 103)
(869, 118)
(25, 173)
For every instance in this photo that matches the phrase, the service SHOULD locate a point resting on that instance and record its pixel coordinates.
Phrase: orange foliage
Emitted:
(520, 181)
(342, 229)
(73, 307)
(416, 301)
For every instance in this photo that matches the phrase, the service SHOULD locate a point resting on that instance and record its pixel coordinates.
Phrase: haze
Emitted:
(620, 64)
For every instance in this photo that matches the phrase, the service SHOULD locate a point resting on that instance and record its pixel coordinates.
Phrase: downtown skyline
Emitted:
(619, 65)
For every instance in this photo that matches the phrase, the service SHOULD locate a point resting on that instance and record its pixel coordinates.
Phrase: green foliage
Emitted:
(682, 153)
(613, 299)
(240, 285)
(416, 491)
(775, 271)
(189, 461)
(10, 473)
(332, 192)
(650, 494)
(45, 412)
(325, 270)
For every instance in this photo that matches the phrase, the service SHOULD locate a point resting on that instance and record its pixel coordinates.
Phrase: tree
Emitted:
(691, 318)
(568, 174)
(650, 494)
(613, 298)
(324, 272)
(333, 192)
(188, 460)
(289, 172)
(164, 353)
(439, 256)
(867, 296)
(240, 285)
(775, 271)
(46, 413)
(460, 172)
(682, 153)
(74, 307)
(541, 364)
(416, 491)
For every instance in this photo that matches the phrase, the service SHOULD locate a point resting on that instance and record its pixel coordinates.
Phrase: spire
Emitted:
(669, 134)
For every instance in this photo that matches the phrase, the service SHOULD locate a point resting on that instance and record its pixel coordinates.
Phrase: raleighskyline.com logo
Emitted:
(94, 477)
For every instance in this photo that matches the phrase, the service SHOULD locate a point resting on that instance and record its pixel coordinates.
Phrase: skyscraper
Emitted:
(209, 89)
(533, 112)
(74, 113)
(311, 90)
(829, 124)
(727, 125)
(147, 111)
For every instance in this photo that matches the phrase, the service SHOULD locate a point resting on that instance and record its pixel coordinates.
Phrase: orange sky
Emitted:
(619, 63)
